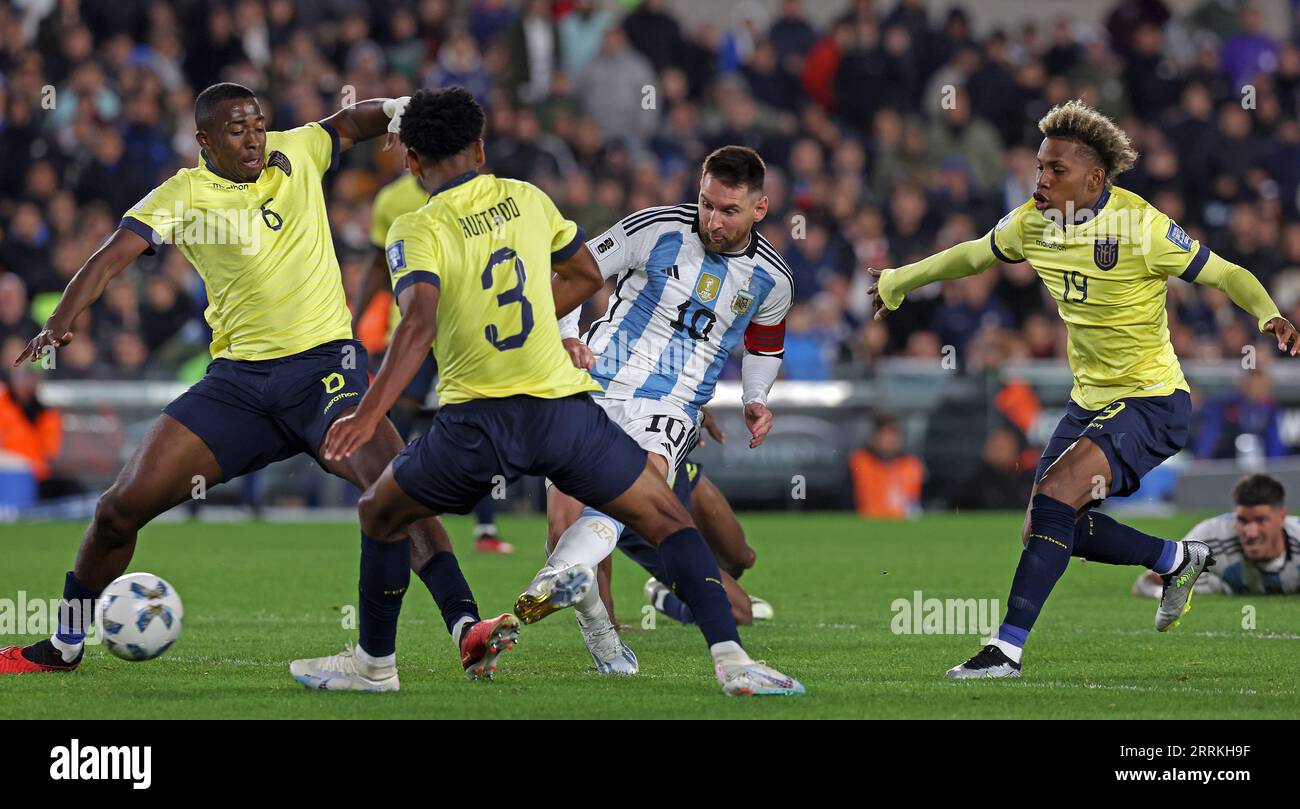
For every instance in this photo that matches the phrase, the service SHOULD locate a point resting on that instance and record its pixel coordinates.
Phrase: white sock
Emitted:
(591, 610)
(374, 663)
(68, 650)
(485, 529)
(458, 630)
(587, 542)
(1009, 649)
(729, 651)
(1179, 556)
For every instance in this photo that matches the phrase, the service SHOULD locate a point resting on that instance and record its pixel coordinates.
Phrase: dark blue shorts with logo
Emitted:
(252, 413)
(472, 445)
(1136, 434)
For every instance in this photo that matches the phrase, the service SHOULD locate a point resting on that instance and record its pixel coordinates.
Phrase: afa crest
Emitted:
(707, 287)
(1105, 252)
(741, 303)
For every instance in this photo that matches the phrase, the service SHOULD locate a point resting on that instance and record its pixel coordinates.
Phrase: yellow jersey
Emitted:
(263, 249)
(487, 243)
(402, 195)
(1109, 276)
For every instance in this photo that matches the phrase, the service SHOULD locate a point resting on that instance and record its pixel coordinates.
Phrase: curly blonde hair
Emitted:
(1093, 131)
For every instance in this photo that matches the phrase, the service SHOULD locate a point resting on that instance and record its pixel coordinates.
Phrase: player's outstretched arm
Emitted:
(84, 289)
(368, 119)
(405, 355)
(958, 261)
(1245, 290)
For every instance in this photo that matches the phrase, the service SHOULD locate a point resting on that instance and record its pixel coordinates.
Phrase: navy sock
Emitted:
(486, 510)
(676, 609)
(385, 574)
(696, 580)
(1101, 538)
(77, 611)
(450, 590)
(1043, 560)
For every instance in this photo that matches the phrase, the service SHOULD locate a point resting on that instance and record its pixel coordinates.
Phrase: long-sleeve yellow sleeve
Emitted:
(958, 261)
(1241, 286)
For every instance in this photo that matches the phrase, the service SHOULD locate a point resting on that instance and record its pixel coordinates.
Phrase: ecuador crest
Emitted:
(1105, 252)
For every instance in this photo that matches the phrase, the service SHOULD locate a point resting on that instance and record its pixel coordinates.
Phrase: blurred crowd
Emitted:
(890, 133)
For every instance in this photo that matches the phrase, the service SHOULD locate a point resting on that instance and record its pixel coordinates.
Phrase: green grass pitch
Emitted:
(258, 595)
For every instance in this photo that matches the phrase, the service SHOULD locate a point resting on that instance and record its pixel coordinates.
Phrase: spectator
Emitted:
(1243, 424)
(14, 318)
(612, 89)
(582, 32)
(886, 481)
(28, 428)
(998, 481)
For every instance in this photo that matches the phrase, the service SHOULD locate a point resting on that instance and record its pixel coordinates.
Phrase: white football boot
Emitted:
(554, 589)
(610, 653)
(1178, 586)
(761, 609)
(343, 672)
(754, 679)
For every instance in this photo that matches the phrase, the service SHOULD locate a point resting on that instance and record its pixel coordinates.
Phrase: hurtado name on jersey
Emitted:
(492, 219)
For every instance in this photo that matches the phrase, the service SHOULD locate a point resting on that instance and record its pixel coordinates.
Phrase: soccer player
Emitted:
(251, 219)
(404, 195)
(473, 268)
(1256, 546)
(713, 514)
(1105, 255)
(710, 511)
(693, 280)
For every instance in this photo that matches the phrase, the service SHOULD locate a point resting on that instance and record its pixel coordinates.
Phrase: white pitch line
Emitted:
(1251, 635)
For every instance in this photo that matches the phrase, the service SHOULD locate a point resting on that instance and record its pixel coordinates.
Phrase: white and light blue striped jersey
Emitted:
(678, 309)
(1236, 573)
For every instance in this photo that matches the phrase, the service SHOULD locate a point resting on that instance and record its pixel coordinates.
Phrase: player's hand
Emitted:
(347, 435)
(1287, 339)
(394, 109)
(47, 338)
(579, 353)
(759, 421)
(710, 425)
(877, 302)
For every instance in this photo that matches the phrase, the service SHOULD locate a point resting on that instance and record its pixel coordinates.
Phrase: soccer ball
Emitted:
(139, 616)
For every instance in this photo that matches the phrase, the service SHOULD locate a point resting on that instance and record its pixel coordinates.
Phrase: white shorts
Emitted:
(659, 427)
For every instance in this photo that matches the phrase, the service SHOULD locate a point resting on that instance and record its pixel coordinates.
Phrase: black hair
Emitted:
(735, 166)
(1259, 489)
(208, 100)
(440, 123)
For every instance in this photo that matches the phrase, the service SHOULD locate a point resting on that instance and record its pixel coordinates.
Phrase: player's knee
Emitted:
(376, 522)
(747, 558)
(115, 523)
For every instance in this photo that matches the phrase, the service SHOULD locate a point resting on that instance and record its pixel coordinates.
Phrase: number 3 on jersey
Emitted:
(513, 295)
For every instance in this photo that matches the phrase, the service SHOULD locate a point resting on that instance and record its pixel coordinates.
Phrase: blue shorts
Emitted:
(569, 440)
(638, 548)
(1137, 434)
(252, 413)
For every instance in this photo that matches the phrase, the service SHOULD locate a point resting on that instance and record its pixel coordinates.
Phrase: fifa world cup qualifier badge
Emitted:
(1105, 252)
